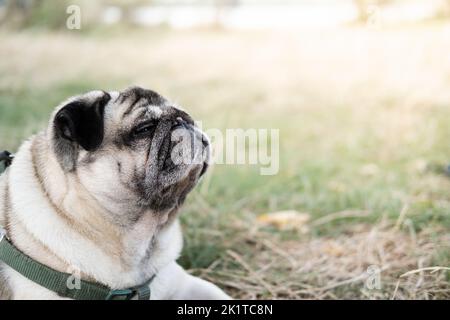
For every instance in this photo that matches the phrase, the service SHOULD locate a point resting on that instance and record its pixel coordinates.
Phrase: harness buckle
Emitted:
(6, 158)
(126, 294)
(142, 292)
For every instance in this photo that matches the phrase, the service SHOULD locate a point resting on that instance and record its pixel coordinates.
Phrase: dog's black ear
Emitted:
(79, 124)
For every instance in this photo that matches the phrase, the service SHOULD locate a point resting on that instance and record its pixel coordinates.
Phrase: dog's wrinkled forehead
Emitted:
(135, 104)
(134, 98)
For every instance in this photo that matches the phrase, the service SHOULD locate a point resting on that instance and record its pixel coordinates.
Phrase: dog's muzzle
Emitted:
(178, 156)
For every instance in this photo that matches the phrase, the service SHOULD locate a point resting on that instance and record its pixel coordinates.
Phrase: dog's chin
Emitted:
(162, 197)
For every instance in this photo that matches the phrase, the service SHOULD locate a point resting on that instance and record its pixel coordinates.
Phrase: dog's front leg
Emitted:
(180, 285)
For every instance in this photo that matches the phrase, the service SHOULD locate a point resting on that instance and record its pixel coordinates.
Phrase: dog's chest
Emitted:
(145, 258)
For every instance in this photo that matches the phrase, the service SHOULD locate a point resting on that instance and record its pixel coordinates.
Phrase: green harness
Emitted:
(60, 282)
(5, 160)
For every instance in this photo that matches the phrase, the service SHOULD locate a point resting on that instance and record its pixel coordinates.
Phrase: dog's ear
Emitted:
(78, 124)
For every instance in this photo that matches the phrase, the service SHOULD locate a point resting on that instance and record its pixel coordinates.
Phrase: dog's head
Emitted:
(132, 150)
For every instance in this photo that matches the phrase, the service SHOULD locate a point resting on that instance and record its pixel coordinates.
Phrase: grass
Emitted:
(364, 126)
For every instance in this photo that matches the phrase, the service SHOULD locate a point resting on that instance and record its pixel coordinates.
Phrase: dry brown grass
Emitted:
(333, 267)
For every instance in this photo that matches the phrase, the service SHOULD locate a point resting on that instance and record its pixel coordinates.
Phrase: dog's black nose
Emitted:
(205, 142)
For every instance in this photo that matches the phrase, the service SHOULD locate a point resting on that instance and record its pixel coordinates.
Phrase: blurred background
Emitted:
(359, 90)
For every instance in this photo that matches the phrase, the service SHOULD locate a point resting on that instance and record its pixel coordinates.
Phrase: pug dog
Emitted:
(97, 194)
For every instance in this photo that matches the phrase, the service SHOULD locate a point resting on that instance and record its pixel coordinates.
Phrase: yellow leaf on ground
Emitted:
(333, 249)
(284, 220)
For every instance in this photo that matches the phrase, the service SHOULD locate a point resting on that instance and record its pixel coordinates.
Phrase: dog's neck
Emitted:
(71, 229)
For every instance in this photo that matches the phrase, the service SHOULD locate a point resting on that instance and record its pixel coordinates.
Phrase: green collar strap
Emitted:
(58, 281)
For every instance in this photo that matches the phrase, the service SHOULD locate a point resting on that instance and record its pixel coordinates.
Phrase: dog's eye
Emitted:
(144, 129)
